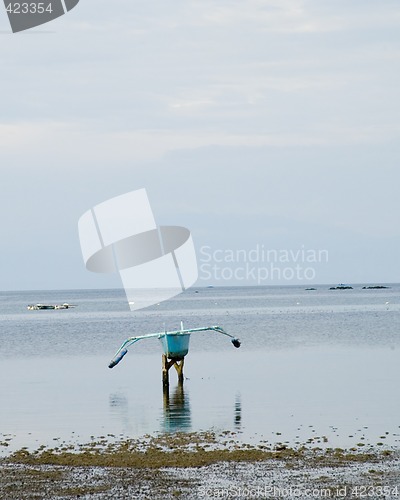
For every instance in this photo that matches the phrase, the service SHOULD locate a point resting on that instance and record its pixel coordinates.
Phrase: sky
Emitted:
(256, 124)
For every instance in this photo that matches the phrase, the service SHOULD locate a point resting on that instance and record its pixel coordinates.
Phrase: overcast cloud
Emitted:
(251, 122)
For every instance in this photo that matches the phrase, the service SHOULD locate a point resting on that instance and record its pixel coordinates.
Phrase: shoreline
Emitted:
(198, 465)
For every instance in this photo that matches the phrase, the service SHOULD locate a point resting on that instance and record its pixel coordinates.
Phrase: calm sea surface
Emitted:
(316, 366)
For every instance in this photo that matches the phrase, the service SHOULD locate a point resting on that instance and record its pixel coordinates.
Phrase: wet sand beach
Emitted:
(196, 466)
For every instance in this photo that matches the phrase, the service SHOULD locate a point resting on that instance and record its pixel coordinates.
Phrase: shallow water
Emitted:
(314, 365)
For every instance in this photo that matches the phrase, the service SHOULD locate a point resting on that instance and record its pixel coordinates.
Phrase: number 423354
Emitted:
(29, 8)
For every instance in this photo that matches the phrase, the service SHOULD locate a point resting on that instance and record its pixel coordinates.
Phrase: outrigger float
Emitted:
(175, 345)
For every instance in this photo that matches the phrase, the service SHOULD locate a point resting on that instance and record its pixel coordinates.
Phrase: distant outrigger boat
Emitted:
(341, 286)
(40, 307)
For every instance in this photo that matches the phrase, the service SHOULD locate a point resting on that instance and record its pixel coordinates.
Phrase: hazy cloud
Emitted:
(284, 111)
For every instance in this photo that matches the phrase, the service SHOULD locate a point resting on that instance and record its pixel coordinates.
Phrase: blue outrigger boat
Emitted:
(175, 344)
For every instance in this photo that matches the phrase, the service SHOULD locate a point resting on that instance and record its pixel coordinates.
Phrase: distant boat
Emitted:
(40, 307)
(341, 287)
(374, 287)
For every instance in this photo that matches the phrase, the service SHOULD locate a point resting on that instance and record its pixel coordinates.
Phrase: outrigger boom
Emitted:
(175, 343)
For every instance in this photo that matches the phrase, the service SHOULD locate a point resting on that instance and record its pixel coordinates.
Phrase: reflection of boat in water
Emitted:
(177, 415)
(40, 307)
(238, 412)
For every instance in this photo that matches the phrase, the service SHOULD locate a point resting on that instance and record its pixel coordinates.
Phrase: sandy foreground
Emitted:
(194, 466)
(270, 479)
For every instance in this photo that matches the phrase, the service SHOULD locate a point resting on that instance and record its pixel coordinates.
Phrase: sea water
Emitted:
(315, 366)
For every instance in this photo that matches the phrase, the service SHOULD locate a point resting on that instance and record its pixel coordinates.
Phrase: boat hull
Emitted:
(175, 345)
